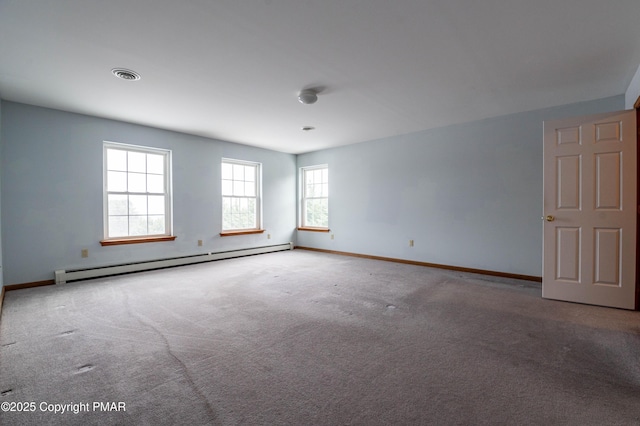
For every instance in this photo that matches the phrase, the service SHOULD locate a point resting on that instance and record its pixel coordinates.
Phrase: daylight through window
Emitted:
(137, 191)
(240, 195)
(315, 197)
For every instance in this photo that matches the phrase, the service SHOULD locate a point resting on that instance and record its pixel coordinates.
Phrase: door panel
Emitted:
(590, 200)
(568, 254)
(608, 181)
(569, 168)
(607, 260)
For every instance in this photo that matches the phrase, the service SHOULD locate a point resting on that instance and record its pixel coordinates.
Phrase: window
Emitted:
(137, 193)
(240, 196)
(315, 197)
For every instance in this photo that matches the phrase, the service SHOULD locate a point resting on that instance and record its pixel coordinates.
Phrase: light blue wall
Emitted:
(52, 192)
(469, 195)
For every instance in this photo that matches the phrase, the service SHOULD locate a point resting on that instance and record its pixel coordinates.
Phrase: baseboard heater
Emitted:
(63, 276)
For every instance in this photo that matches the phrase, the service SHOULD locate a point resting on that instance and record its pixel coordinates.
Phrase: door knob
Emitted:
(549, 218)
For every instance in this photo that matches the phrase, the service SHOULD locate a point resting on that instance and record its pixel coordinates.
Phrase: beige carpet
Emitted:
(303, 338)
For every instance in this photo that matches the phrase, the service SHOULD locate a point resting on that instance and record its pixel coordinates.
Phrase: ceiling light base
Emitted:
(308, 96)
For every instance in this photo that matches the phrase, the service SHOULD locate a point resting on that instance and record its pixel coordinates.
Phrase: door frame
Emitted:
(637, 107)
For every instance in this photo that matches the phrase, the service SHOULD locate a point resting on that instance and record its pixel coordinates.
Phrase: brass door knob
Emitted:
(549, 218)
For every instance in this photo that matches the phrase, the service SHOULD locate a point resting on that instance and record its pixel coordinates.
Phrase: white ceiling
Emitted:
(231, 69)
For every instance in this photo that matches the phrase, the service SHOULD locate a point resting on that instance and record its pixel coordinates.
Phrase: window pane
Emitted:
(316, 213)
(251, 213)
(316, 190)
(137, 162)
(227, 187)
(315, 195)
(250, 189)
(227, 222)
(240, 191)
(118, 226)
(156, 205)
(116, 160)
(138, 225)
(236, 222)
(131, 176)
(116, 181)
(239, 213)
(250, 173)
(227, 171)
(238, 188)
(137, 182)
(138, 204)
(155, 164)
(226, 205)
(238, 172)
(227, 213)
(117, 205)
(156, 224)
(155, 184)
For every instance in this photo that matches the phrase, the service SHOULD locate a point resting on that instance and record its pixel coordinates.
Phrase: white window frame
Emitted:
(168, 224)
(304, 197)
(258, 196)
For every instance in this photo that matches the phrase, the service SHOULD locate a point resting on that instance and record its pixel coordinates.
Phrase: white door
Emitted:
(589, 247)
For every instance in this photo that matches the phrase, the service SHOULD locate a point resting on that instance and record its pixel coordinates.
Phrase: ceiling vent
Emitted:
(125, 74)
(308, 96)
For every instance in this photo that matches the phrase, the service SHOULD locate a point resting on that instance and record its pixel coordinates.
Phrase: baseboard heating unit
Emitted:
(63, 276)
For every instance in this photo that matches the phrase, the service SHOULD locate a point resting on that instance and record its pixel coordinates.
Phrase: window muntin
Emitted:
(315, 197)
(240, 195)
(137, 191)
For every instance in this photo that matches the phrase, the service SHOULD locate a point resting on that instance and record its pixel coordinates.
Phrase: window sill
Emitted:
(241, 232)
(121, 241)
(313, 229)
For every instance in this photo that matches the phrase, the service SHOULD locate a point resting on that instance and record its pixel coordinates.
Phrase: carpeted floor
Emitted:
(304, 338)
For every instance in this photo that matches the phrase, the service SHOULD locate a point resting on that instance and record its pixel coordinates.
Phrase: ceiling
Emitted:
(231, 70)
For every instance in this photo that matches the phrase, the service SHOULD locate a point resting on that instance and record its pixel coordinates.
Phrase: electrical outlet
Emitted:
(332, 236)
(268, 236)
(84, 252)
(199, 243)
(410, 243)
